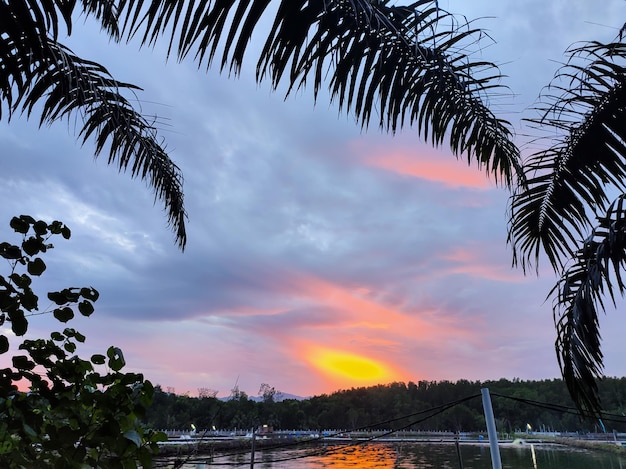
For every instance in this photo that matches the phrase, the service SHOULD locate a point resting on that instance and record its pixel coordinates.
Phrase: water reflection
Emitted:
(417, 456)
(367, 457)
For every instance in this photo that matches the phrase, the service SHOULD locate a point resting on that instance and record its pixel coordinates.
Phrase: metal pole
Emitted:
(496, 463)
(252, 452)
(458, 451)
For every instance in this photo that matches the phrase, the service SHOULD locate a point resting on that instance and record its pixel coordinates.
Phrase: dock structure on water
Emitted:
(228, 438)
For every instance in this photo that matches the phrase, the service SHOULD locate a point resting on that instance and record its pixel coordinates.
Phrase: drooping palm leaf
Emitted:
(567, 186)
(567, 183)
(35, 68)
(596, 270)
(400, 61)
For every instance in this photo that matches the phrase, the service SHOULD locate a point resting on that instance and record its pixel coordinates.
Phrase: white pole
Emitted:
(496, 463)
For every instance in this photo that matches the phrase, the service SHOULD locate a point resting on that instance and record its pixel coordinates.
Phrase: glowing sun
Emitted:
(347, 365)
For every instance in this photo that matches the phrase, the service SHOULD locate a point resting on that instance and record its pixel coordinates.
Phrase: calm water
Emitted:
(418, 456)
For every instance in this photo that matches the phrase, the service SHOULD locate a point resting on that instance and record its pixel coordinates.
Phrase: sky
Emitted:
(320, 256)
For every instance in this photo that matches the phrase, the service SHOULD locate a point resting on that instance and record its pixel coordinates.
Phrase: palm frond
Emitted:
(36, 69)
(399, 61)
(597, 266)
(106, 12)
(24, 31)
(35, 20)
(566, 184)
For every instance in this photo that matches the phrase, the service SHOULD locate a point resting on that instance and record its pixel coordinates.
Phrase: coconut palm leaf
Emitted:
(594, 274)
(400, 62)
(566, 185)
(36, 69)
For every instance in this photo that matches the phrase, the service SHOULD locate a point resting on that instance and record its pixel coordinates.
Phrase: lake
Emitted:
(416, 456)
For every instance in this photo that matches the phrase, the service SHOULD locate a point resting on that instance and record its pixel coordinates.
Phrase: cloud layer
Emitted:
(320, 256)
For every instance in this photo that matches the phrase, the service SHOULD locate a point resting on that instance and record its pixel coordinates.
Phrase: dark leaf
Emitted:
(63, 314)
(29, 300)
(4, 344)
(9, 251)
(79, 337)
(85, 308)
(22, 362)
(68, 295)
(40, 228)
(116, 358)
(58, 298)
(20, 281)
(21, 224)
(33, 245)
(98, 359)
(89, 293)
(36, 266)
(19, 323)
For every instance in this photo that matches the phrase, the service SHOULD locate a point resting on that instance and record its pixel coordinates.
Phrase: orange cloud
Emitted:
(365, 341)
(370, 314)
(361, 320)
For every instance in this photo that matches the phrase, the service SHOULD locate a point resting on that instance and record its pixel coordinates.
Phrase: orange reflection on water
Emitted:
(337, 456)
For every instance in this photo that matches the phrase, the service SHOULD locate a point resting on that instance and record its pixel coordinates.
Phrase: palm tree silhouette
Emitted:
(571, 208)
(401, 62)
(406, 65)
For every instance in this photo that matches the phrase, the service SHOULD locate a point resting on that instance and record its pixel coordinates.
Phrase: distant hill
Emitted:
(286, 395)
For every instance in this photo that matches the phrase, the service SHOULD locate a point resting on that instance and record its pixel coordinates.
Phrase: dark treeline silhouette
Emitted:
(414, 406)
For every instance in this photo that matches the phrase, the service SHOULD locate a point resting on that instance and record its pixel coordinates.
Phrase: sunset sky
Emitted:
(320, 256)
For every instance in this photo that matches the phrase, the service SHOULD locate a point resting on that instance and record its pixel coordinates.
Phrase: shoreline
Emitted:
(614, 447)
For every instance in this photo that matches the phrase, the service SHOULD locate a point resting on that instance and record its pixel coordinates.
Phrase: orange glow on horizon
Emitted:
(357, 345)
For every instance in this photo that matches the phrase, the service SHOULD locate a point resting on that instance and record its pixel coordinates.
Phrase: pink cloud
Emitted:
(424, 163)
(477, 261)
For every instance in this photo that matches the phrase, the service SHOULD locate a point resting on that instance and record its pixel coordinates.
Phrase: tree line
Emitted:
(543, 405)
